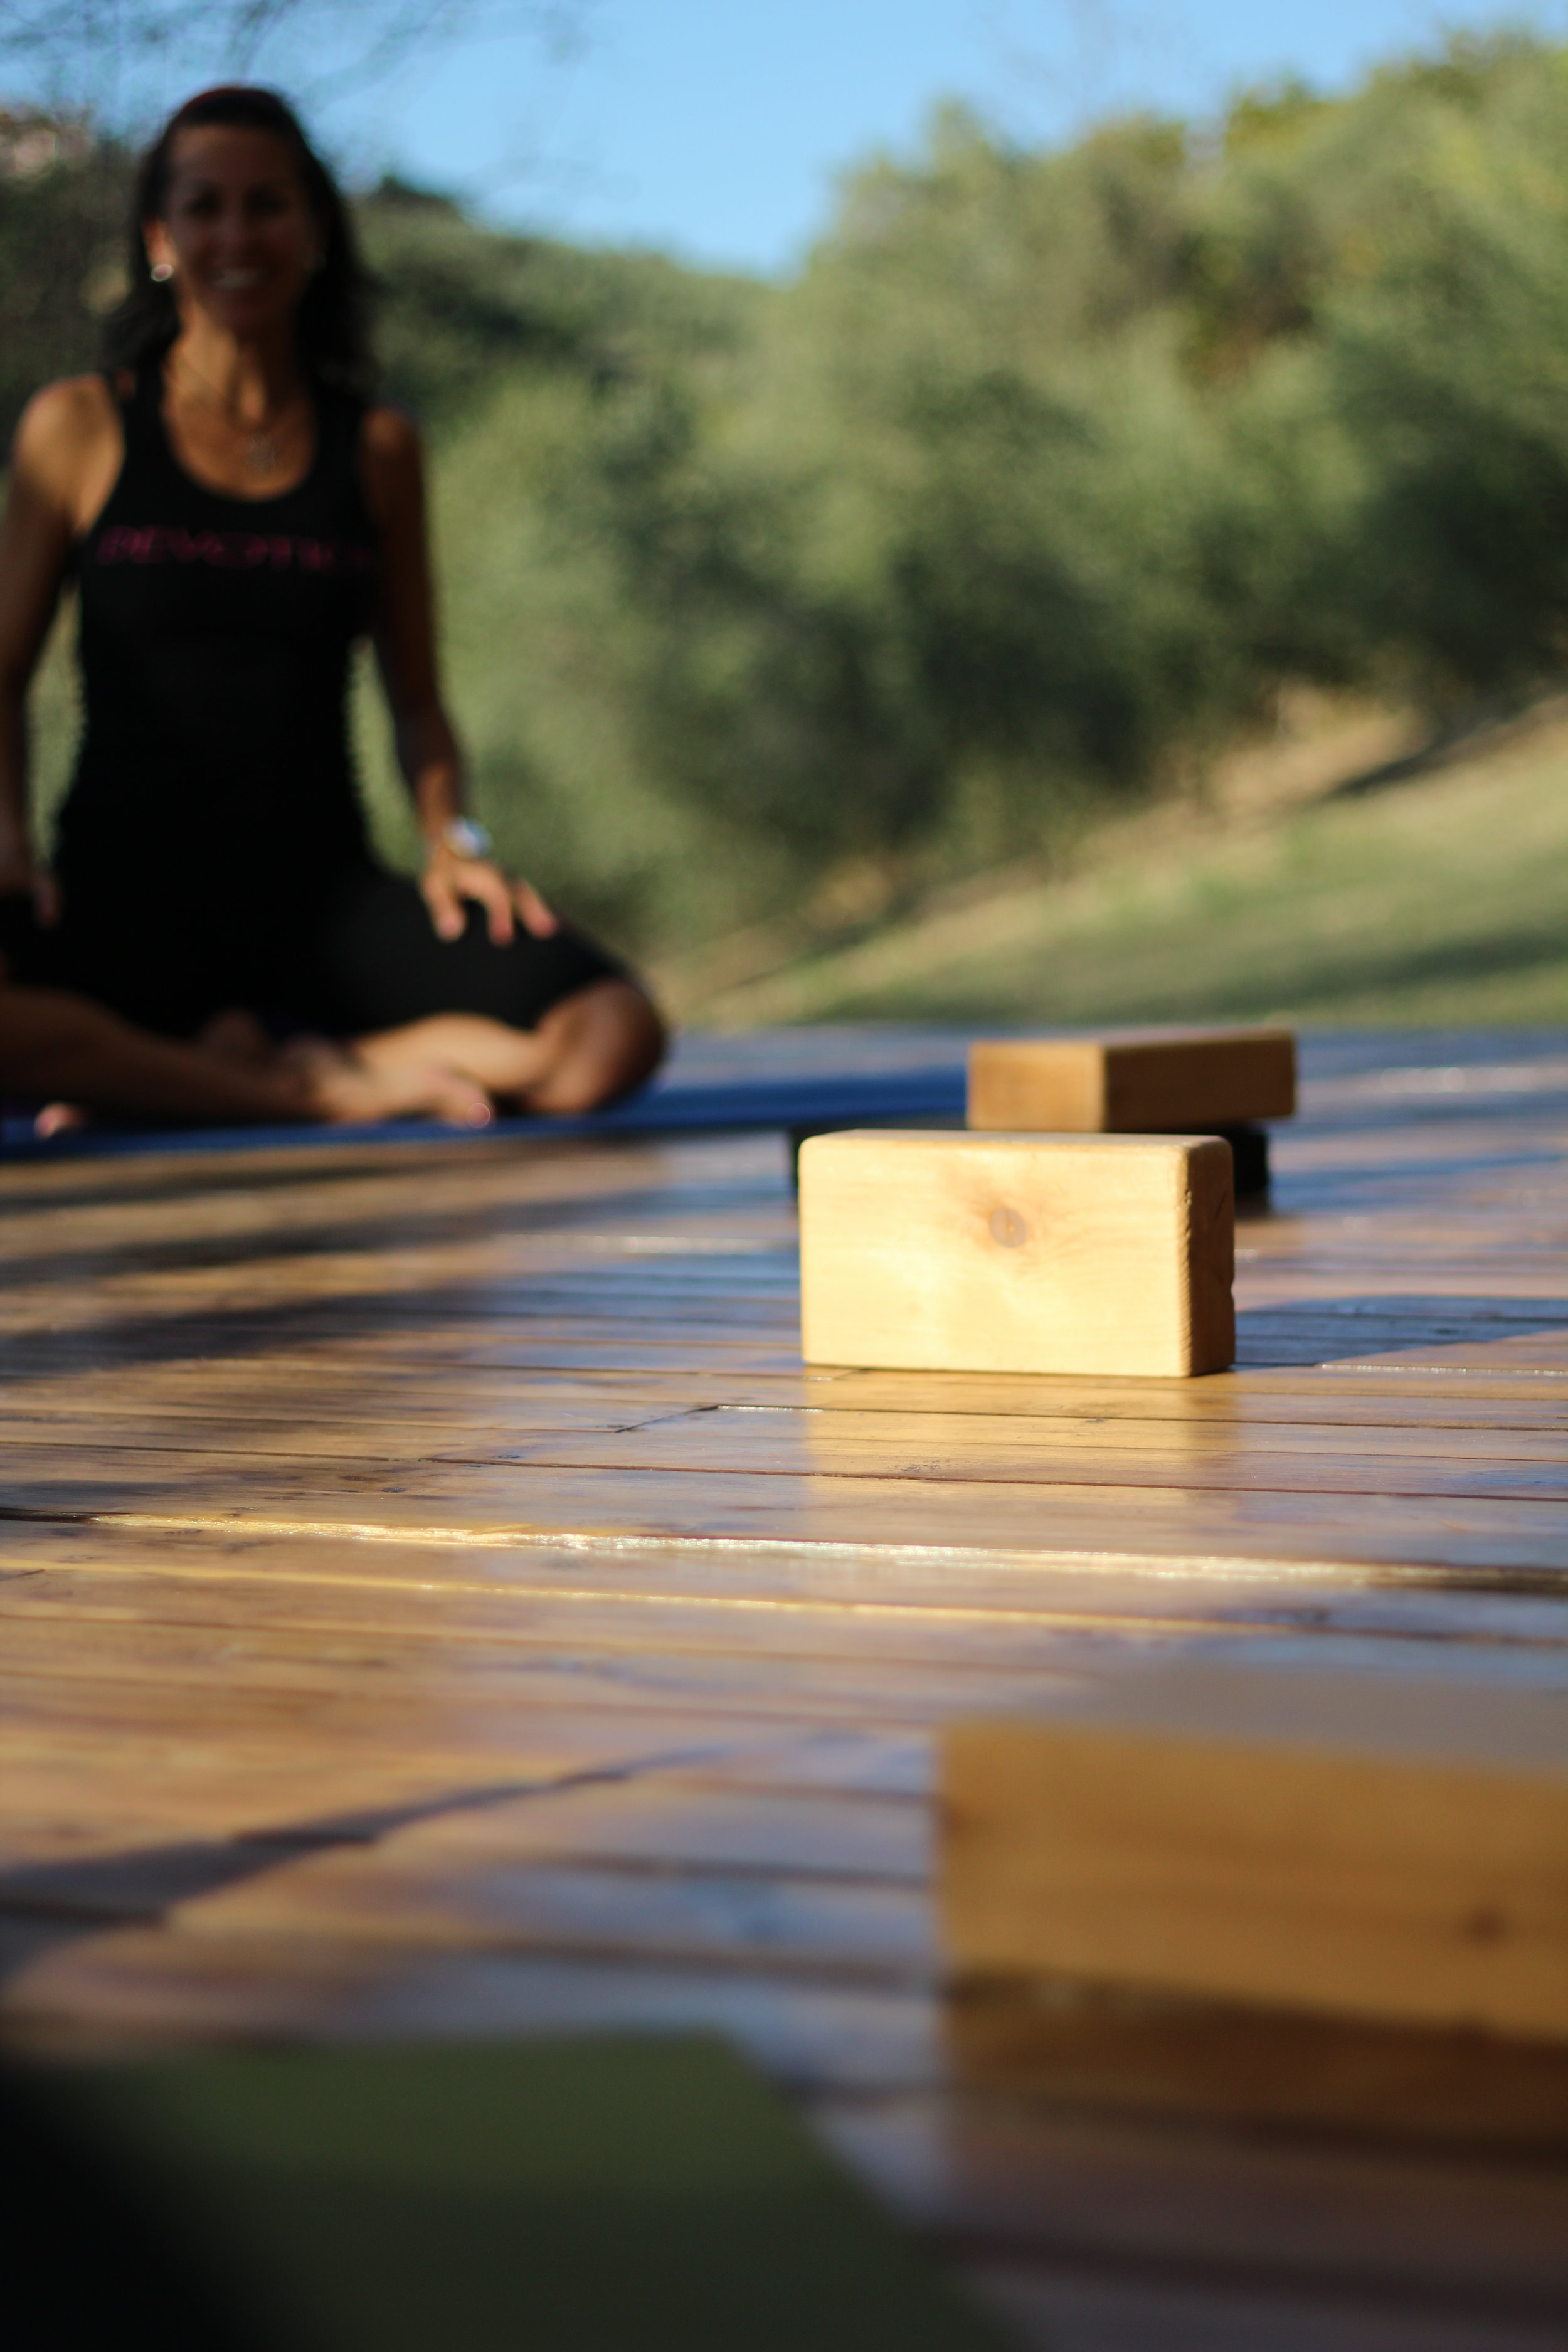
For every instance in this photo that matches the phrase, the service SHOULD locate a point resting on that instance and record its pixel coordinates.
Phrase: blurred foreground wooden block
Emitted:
(1117, 2050)
(1017, 1254)
(1132, 1082)
(1318, 1844)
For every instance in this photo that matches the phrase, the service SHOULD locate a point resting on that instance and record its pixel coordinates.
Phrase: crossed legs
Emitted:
(64, 1048)
(589, 1048)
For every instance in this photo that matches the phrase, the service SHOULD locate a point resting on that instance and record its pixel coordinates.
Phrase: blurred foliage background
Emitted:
(1041, 483)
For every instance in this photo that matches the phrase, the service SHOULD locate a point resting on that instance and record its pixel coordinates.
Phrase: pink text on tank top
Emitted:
(231, 551)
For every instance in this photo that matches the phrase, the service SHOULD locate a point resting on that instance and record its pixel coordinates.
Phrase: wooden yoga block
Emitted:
(1132, 1082)
(936, 1252)
(1323, 1844)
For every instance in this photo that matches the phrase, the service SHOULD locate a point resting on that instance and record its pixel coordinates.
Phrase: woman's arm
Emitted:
(58, 458)
(428, 748)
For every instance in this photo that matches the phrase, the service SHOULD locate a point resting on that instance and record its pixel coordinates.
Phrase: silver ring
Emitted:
(467, 839)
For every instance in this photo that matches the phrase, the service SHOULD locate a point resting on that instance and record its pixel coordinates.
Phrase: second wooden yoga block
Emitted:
(1017, 1253)
(1351, 1845)
(1134, 1081)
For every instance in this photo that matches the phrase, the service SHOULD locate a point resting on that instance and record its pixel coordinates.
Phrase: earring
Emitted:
(160, 272)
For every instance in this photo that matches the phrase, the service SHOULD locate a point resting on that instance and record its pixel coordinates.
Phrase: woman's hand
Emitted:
(450, 877)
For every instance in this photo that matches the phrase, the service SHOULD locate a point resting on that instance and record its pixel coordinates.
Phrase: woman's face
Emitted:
(238, 229)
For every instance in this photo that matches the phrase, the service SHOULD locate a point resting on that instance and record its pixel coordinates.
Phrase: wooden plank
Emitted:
(358, 1691)
(526, 1504)
(303, 1436)
(1006, 1255)
(1520, 1465)
(588, 1615)
(1195, 1457)
(102, 1826)
(854, 1930)
(417, 1394)
(344, 1384)
(1313, 1844)
(471, 1588)
(1132, 1082)
(733, 1871)
(140, 1986)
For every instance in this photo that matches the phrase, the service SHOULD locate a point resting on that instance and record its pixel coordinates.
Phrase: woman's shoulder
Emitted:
(73, 410)
(67, 433)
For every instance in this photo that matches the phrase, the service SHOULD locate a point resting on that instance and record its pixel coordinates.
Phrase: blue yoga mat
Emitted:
(670, 1105)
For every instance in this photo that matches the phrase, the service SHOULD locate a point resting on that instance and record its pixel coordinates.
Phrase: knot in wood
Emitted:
(1008, 1228)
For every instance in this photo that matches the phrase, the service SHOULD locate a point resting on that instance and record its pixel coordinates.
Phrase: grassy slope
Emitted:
(1438, 900)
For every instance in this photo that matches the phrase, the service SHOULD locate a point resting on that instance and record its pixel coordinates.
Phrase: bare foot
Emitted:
(344, 1091)
(58, 1119)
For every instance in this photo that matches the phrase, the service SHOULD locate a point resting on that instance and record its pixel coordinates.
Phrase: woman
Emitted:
(235, 512)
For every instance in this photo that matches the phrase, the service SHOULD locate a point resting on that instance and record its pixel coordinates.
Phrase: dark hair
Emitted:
(334, 326)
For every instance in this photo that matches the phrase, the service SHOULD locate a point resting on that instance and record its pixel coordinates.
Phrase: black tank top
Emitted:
(215, 635)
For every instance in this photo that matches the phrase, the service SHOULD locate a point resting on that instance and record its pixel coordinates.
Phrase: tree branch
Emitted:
(93, 55)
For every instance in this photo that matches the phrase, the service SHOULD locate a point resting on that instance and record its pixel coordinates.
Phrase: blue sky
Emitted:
(715, 127)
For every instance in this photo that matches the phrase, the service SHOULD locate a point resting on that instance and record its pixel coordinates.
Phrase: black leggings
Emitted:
(363, 956)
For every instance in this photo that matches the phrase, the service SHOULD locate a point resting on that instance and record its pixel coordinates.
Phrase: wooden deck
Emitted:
(435, 1601)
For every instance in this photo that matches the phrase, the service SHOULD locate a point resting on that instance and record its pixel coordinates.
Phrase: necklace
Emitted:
(263, 445)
